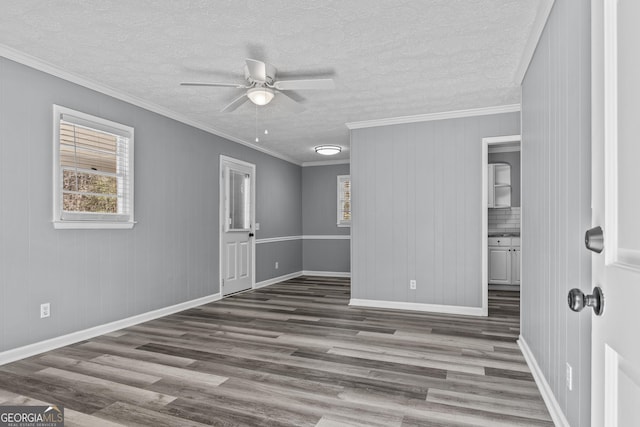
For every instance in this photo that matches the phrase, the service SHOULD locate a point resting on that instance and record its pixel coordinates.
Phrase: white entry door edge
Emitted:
(615, 97)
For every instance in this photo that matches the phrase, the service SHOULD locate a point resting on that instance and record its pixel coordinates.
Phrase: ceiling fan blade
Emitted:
(289, 103)
(257, 70)
(235, 103)
(236, 85)
(313, 84)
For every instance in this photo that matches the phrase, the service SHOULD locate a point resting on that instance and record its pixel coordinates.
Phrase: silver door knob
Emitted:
(578, 300)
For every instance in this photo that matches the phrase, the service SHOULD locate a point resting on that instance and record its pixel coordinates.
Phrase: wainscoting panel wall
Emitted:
(417, 200)
(556, 200)
(93, 277)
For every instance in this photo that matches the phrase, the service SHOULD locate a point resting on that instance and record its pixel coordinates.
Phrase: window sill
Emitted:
(344, 225)
(91, 225)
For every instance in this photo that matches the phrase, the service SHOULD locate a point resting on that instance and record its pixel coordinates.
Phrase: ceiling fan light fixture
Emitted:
(260, 95)
(328, 150)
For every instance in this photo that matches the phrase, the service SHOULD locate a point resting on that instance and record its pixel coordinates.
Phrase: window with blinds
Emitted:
(344, 200)
(93, 171)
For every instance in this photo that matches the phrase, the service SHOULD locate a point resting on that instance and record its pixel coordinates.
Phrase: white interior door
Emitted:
(237, 201)
(616, 208)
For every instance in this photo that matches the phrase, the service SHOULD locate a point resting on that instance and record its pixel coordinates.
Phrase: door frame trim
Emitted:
(221, 207)
(486, 142)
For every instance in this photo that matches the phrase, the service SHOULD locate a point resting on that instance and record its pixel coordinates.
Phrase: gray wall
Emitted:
(319, 200)
(279, 213)
(556, 178)
(513, 158)
(417, 211)
(92, 277)
(319, 218)
(288, 255)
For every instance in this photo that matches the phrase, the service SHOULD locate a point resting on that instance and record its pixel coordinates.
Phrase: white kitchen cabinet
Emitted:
(504, 260)
(499, 265)
(499, 175)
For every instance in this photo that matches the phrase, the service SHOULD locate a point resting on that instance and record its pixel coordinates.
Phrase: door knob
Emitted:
(578, 300)
(594, 239)
(250, 234)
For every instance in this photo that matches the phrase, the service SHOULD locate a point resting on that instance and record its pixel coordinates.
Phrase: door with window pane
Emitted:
(237, 208)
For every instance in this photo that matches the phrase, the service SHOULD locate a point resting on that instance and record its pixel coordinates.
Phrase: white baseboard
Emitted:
(74, 337)
(326, 273)
(278, 279)
(413, 306)
(545, 389)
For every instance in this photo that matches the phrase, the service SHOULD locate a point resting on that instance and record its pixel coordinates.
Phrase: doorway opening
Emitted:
(501, 216)
(237, 225)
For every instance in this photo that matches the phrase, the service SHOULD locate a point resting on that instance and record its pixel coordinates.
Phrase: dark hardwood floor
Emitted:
(292, 354)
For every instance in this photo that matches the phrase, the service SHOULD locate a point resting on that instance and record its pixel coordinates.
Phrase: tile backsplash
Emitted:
(504, 220)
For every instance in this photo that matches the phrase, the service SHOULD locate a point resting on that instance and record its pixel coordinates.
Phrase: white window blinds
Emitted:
(344, 200)
(94, 176)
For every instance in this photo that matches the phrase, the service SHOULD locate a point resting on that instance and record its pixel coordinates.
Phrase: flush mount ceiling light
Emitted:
(260, 95)
(328, 150)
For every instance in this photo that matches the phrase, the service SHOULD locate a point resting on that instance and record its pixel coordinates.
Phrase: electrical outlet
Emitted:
(276, 265)
(412, 284)
(569, 377)
(45, 310)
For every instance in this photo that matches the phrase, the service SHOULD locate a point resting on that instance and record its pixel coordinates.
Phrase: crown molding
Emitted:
(532, 42)
(512, 108)
(48, 68)
(327, 163)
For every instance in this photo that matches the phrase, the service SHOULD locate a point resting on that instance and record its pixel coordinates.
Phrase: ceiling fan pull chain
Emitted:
(257, 139)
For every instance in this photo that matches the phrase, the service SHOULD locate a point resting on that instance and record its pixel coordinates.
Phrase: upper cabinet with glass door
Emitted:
(499, 185)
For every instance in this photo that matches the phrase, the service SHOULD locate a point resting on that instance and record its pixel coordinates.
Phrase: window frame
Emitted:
(88, 220)
(341, 222)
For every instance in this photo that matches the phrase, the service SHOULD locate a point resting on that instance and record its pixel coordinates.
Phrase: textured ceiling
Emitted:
(388, 58)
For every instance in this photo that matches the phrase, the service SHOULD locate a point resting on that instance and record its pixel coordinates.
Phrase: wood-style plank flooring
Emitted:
(292, 354)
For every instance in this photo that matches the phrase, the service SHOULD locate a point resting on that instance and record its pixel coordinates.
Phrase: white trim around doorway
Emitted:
(486, 142)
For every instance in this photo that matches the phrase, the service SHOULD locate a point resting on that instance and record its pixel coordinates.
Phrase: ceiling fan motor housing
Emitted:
(270, 73)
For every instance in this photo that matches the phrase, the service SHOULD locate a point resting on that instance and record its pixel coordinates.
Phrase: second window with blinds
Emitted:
(93, 171)
(344, 200)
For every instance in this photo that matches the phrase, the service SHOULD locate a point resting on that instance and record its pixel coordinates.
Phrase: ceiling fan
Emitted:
(261, 86)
